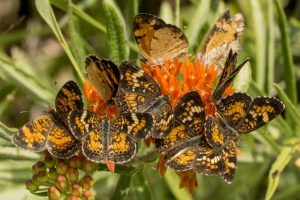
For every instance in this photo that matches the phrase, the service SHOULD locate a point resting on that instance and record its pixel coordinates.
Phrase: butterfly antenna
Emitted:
(27, 111)
(251, 135)
(202, 91)
(145, 162)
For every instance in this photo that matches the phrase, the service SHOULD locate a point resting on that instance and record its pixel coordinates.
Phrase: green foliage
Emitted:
(67, 31)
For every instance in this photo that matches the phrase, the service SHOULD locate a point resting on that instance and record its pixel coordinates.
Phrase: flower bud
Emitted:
(88, 166)
(75, 162)
(35, 179)
(33, 169)
(40, 166)
(53, 193)
(31, 186)
(76, 189)
(72, 174)
(87, 195)
(50, 161)
(61, 182)
(73, 198)
(44, 154)
(61, 167)
(52, 173)
(87, 182)
(42, 176)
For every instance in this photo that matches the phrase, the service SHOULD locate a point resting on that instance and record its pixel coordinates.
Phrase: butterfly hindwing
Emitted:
(157, 40)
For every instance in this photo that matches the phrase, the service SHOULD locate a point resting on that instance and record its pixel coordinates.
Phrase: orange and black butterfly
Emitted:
(51, 131)
(157, 40)
(104, 76)
(228, 74)
(224, 36)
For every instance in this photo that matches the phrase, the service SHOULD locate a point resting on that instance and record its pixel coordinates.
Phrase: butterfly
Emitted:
(104, 75)
(113, 140)
(51, 131)
(228, 74)
(224, 35)
(138, 92)
(157, 40)
(238, 114)
(181, 144)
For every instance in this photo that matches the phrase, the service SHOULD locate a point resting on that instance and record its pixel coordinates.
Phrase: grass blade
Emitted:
(45, 10)
(115, 33)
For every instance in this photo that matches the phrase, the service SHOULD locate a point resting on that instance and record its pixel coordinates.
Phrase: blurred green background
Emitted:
(32, 59)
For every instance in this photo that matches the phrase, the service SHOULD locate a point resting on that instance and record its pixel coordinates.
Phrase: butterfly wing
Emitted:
(68, 98)
(189, 121)
(183, 155)
(61, 143)
(82, 122)
(229, 158)
(233, 108)
(223, 36)
(137, 90)
(208, 160)
(137, 126)
(157, 40)
(260, 112)
(104, 75)
(214, 133)
(34, 134)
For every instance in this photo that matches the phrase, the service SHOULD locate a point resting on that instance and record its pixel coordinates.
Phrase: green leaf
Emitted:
(6, 133)
(197, 21)
(21, 74)
(270, 48)
(115, 32)
(278, 166)
(77, 46)
(45, 10)
(141, 187)
(243, 79)
(289, 105)
(289, 70)
(78, 12)
(260, 43)
(122, 188)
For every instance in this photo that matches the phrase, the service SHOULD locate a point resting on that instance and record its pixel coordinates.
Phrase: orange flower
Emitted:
(188, 179)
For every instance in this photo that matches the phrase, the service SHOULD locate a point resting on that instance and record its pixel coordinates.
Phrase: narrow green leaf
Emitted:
(177, 13)
(6, 133)
(77, 46)
(115, 32)
(197, 21)
(289, 70)
(260, 43)
(132, 12)
(122, 188)
(79, 13)
(166, 12)
(270, 48)
(290, 107)
(31, 83)
(243, 79)
(282, 160)
(45, 10)
(141, 187)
